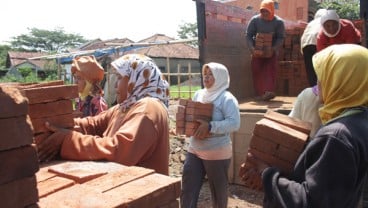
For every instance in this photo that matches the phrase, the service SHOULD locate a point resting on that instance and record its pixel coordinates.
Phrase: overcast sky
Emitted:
(106, 19)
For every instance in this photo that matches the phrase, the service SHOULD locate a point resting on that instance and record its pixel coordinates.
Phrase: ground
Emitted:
(239, 196)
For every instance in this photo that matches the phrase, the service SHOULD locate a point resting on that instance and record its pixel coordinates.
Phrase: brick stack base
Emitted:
(18, 157)
(277, 140)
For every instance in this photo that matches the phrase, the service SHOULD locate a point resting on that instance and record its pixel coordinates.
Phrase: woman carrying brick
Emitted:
(210, 148)
(135, 132)
(88, 74)
(330, 172)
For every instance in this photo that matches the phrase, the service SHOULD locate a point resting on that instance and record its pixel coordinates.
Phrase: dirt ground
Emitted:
(239, 196)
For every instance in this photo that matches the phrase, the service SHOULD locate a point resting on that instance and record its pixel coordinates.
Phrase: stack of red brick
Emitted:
(52, 102)
(291, 74)
(104, 184)
(19, 161)
(263, 45)
(277, 140)
(188, 113)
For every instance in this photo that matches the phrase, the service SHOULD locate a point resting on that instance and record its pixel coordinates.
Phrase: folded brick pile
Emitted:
(19, 162)
(263, 45)
(188, 113)
(278, 140)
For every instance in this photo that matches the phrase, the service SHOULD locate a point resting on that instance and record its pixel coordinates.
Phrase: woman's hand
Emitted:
(203, 129)
(50, 147)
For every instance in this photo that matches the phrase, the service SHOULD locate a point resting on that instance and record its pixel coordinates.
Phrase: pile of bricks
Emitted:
(52, 102)
(19, 161)
(278, 141)
(104, 184)
(188, 113)
(291, 76)
(263, 45)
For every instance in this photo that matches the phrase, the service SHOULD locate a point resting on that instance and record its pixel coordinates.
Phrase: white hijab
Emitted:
(222, 82)
(330, 15)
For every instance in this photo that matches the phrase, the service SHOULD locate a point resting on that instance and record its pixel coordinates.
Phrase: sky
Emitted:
(106, 19)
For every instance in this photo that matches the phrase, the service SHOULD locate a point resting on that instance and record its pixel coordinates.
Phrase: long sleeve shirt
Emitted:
(138, 137)
(225, 120)
(257, 25)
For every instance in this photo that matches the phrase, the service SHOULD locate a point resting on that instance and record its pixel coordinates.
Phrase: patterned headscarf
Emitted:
(222, 81)
(342, 71)
(145, 79)
(268, 5)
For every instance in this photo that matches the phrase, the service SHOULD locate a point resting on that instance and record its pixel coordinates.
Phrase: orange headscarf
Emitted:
(268, 5)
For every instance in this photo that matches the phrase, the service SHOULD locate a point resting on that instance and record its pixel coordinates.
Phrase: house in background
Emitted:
(171, 58)
(20, 60)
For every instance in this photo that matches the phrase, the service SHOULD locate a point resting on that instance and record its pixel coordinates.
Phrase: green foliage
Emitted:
(29, 76)
(184, 92)
(187, 31)
(347, 9)
(46, 41)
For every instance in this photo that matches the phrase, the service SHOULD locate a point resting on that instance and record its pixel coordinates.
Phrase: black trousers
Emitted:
(308, 52)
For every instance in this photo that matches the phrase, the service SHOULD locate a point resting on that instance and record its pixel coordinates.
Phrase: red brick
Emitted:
(63, 121)
(12, 102)
(15, 132)
(39, 84)
(51, 93)
(281, 134)
(285, 166)
(193, 118)
(291, 122)
(18, 163)
(53, 185)
(123, 186)
(59, 107)
(19, 193)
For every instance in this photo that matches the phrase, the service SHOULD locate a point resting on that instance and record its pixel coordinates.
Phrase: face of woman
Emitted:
(80, 82)
(208, 78)
(265, 14)
(331, 26)
(121, 88)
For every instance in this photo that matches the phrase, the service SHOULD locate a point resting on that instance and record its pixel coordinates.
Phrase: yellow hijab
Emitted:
(342, 71)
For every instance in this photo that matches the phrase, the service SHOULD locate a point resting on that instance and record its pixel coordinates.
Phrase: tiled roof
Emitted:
(177, 50)
(16, 58)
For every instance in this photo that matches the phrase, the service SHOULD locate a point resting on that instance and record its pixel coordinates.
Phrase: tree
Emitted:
(187, 31)
(347, 9)
(46, 41)
(3, 53)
